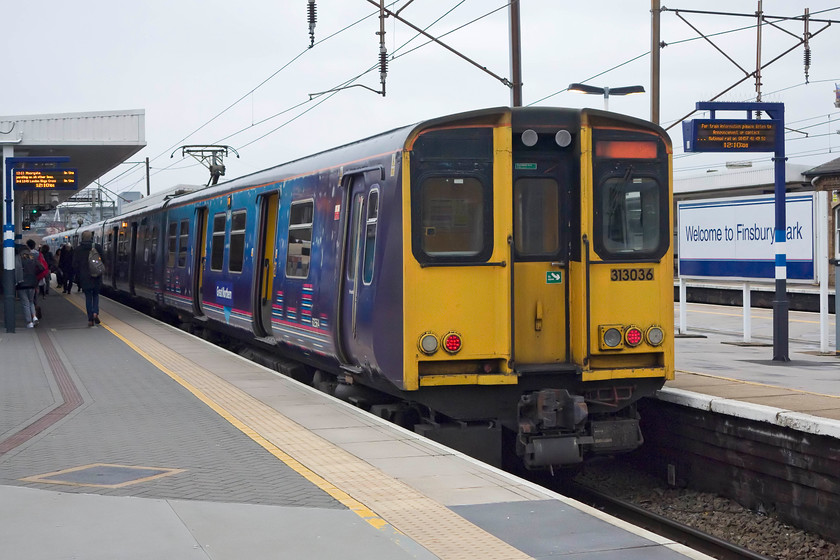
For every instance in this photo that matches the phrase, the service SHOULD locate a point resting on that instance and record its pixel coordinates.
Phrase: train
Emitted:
(500, 280)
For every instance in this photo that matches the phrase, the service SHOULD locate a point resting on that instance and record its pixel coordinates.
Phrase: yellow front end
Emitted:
(444, 303)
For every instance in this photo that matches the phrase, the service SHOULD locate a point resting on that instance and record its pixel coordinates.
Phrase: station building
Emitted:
(68, 151)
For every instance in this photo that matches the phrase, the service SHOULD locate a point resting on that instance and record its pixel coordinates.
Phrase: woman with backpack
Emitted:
(89, 281)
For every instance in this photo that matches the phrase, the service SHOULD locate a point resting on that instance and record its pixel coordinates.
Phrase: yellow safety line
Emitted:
(354, 505)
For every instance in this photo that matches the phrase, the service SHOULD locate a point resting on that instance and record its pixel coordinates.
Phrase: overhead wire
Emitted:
(337, 88)
(245, 96)
(394, 56)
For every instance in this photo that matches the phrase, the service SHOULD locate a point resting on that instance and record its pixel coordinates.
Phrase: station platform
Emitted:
(717, 370)
(134, 440)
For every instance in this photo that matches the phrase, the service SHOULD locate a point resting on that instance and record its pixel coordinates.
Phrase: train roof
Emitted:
(382, 143)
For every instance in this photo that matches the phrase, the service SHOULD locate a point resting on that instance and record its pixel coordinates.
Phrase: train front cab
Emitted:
(539, 266)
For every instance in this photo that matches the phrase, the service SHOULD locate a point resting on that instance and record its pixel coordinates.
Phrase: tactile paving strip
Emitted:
(430, 524)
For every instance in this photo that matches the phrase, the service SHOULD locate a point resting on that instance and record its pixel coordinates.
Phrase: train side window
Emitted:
(122, 246)
(143, 243)
(452, 216)
(299, 250)
(370, 235)
(237, 240)
(536, 217)
(355, 234)
(172, 244)
(182, 243)
(217, 241)
(153, 251)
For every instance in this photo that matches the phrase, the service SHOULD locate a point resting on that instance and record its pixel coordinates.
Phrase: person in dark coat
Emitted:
(27, 269)
(90, 285)
(65, 263)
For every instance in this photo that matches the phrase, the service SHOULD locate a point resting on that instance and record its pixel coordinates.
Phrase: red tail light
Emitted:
(633, 336)
(452, 343)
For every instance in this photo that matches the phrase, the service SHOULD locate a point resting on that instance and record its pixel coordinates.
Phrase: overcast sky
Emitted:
(240, 74)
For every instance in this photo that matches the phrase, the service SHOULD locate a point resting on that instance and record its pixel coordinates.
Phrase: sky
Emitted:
(241, 74)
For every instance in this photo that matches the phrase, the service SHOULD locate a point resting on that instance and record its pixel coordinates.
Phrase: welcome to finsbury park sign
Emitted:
(733, 238)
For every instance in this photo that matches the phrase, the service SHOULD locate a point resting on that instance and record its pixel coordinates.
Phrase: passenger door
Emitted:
(540, 270)
(267, 263)
(199, 258)
(358, 268)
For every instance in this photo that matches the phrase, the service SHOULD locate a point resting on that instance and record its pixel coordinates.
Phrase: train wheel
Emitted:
(324, 382)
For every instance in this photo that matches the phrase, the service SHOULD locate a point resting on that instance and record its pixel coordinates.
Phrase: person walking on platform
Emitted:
(50, 260)
(88, 281)
(27, 269)
(36, 254)
(65, 264)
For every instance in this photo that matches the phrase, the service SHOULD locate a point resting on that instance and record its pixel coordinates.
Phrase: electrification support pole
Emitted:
(8, 242)
(148, 191)
(654, 61)
(515, 56)
(781, 305)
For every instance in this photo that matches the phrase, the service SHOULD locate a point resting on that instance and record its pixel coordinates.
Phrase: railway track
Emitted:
(678, 532)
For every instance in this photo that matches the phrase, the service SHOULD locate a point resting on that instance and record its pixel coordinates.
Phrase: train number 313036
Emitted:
(630, 274)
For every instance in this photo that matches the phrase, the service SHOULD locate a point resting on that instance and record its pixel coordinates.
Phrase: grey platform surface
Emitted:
(96, 483)
(717, 369)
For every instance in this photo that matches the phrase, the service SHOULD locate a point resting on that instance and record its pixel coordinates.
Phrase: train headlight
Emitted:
(452, 342)
(530, 138)
(563, 138)
(428, 344)
(655, 336)
(633, 336)
(610, 337)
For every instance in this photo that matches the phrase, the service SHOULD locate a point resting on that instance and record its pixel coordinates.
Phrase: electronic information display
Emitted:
(727, 135)
(44, 179)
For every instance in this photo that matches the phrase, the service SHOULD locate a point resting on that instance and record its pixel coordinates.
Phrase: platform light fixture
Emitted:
(606, 91)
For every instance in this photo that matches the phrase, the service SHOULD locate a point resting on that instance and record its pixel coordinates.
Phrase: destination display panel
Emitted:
(729, 135)
(44, 179)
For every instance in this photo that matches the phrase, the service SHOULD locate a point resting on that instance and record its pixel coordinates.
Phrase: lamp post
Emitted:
(606, 91)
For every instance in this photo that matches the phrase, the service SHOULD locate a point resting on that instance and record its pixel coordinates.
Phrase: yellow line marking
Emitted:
(756, 383)
(354, 505)
(394, 505)
(43, 478)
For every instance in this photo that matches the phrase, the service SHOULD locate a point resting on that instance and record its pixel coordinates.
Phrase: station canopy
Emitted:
(95, 142)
